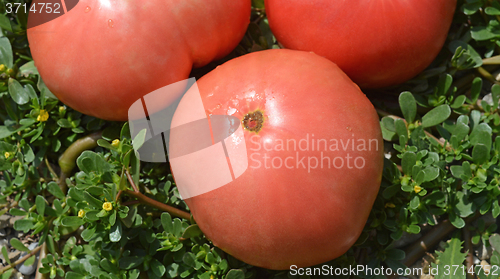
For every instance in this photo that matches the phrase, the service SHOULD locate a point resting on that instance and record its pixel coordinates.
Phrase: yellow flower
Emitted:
(389, 205)
(81, 213)
(115, 143)
(7, 155)
(212, 277)
(43, 116)
(2, 67)
(107, 206)
(417, 189)
(62, 109)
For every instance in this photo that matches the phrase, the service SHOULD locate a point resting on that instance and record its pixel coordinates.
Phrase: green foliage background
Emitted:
(441, 133)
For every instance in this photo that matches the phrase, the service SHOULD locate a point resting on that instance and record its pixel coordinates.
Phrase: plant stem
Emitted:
(156, 204)
(67, 161)
(43, 254)
(51, 170)
(487, 75)
(21, 260)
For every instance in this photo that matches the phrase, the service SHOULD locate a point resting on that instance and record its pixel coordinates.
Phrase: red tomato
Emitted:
(310, 183)
(103, 55)
(377, 43)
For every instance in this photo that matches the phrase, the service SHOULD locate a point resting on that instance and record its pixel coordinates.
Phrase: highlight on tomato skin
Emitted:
(377, 43)
(310, 174)
(102, 56)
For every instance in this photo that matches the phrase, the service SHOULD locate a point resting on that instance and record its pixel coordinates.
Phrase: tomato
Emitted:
(313, 166)
(103, 55)
(377, 43)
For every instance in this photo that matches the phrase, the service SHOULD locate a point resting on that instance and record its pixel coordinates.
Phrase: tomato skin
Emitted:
(377, 43)
(277, 217)
(102, 56)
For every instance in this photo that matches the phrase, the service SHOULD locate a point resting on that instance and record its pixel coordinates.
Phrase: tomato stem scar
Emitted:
(253, 121)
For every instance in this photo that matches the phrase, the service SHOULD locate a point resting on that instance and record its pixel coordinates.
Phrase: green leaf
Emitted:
(108, 266)
(495, 241)
(92, 201)
(493, 11)
(88, 233)
(458, 102)
(17, 244)
(28, 69)
(235, 274)
(6, 56)
(134, 274)
(496, 209)
(461, 130)
(475, 91)
(23, 225)
(139, 139)
(90, 161)
(457, 171)
(30, 261)
(17, 212)
(408, 106)
(115, 233)
(5, 255)
(130, 262)
(17, 92)
(388, 123)
(480, 154)
(44, 90)
(430, 173)
(5, 131)
(472, 8)
(444, 84)
(8, 273)
(484, 33)
(54, 189)
(50, 244)
(450, 257)
(456, 221)
(408, 161)
(72, 221)
(463, 206)
(40, 205)
(157, 267)
(74, 275)
(166, 222)
(414, 203)
(436, 116)
(192, 231)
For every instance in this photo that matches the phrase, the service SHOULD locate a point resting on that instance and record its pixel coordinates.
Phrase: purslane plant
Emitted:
(99, 212)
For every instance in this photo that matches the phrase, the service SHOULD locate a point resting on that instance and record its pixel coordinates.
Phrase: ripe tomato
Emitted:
(103, 55)
(314, 154)
(377, 43)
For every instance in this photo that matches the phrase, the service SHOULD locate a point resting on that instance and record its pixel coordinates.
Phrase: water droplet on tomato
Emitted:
(110, 23)
(87, 9)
